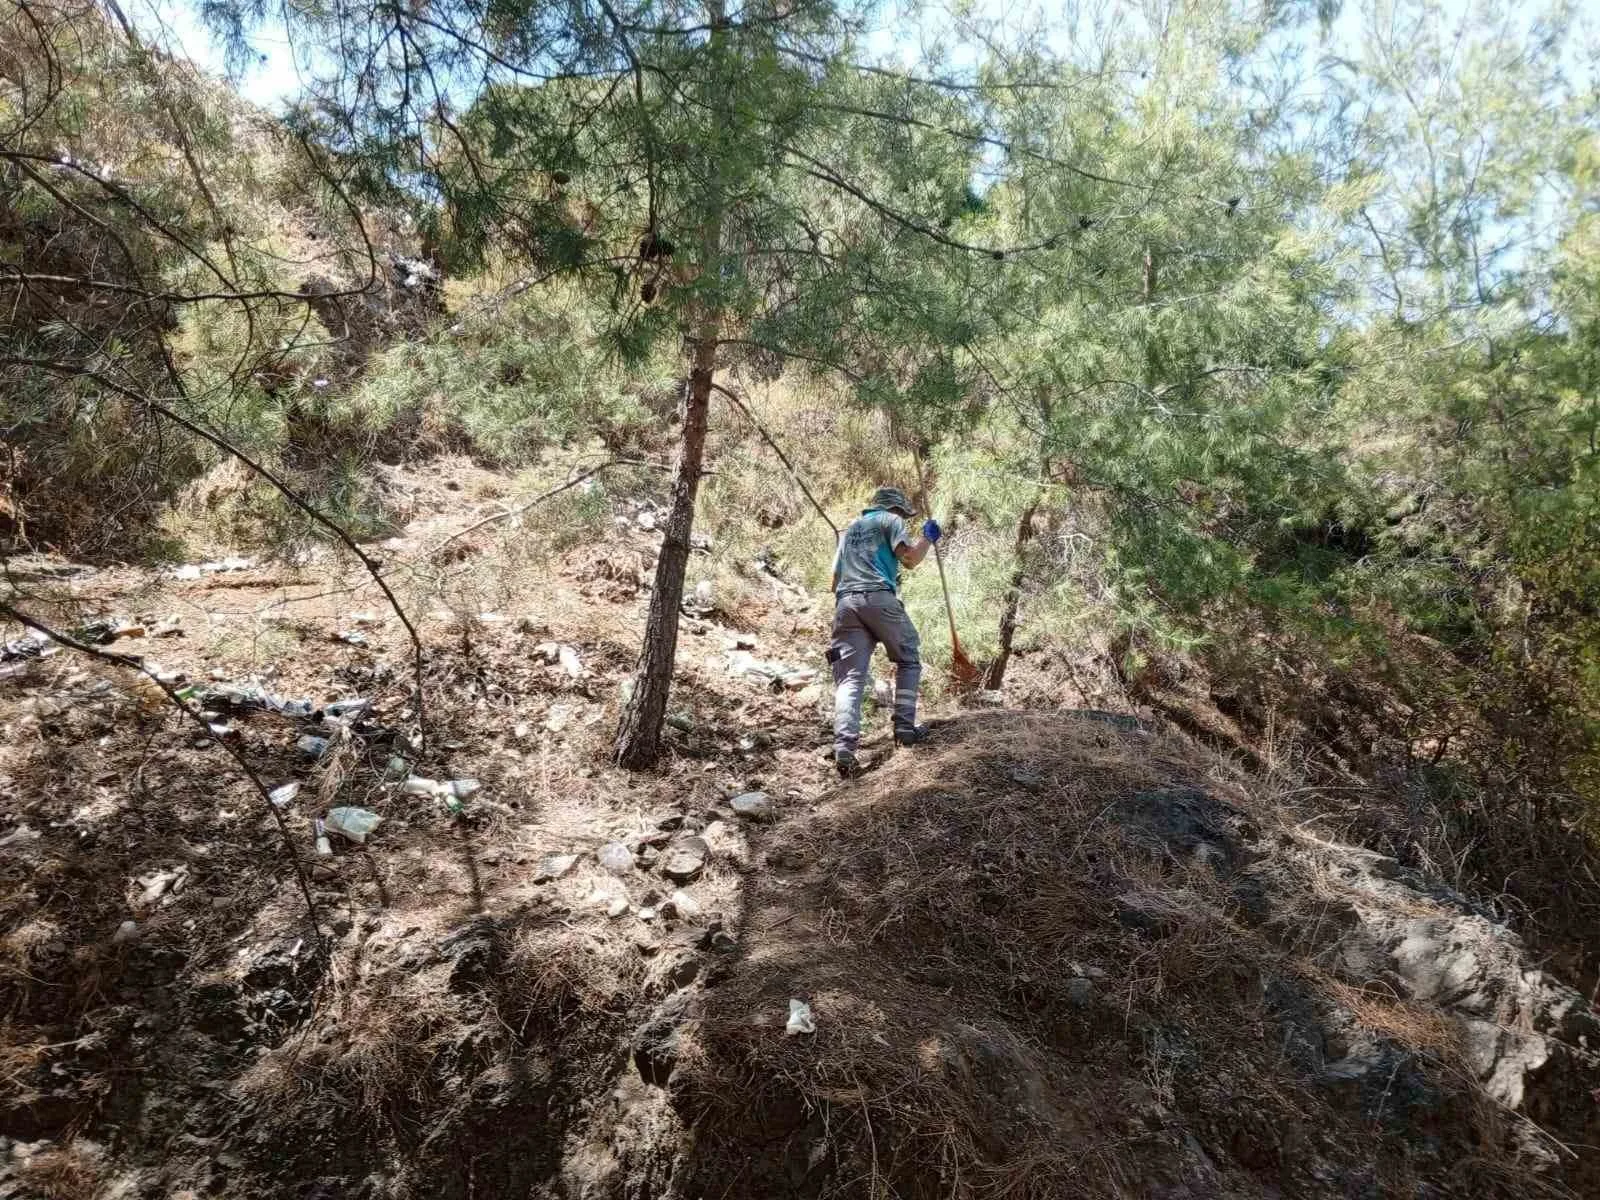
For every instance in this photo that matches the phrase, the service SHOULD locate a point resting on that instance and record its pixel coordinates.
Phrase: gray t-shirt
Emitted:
(866, 559)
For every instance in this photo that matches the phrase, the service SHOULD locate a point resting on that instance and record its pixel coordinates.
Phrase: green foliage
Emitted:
(1221, 319)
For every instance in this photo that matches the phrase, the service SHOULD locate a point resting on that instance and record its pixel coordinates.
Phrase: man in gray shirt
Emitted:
(867, 612)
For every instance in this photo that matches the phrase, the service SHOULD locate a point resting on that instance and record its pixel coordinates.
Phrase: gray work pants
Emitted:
(861, 621)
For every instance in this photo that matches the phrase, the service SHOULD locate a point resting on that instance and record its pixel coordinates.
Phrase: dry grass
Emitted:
(70, 1172)
(1420, 1028)
(947, 910)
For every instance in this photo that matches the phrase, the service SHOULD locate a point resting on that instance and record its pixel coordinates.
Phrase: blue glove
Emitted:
(931, 530)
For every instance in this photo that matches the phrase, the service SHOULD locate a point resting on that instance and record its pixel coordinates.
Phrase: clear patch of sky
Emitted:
(902, 32)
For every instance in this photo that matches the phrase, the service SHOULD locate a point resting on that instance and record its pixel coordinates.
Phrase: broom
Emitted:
(963, 671)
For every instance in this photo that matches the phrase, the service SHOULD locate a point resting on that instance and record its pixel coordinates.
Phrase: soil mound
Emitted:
(1058, 956)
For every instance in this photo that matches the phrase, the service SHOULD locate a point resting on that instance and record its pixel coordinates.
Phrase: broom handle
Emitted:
(949, 612)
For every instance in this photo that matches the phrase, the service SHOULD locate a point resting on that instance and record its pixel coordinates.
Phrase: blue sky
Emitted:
(905, 30)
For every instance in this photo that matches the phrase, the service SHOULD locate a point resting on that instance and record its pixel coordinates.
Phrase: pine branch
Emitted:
(778, 450)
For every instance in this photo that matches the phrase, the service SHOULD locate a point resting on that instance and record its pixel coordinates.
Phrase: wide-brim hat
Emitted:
(892, 498)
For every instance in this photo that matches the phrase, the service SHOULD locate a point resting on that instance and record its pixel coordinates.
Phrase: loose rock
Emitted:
(754, 806)
(553, 866)
(616, 858)
(683, 904)
(684, 859)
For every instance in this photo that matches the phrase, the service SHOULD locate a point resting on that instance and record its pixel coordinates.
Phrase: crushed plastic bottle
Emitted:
(312, 746)
(352, 824)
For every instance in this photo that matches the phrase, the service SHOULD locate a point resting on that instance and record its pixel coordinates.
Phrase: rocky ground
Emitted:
(1058, 952)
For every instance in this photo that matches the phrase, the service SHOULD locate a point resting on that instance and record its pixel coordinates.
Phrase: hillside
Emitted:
(417, 505)
(1055, 952)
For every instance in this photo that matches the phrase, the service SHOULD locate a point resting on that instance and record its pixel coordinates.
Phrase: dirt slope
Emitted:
(1053, 954)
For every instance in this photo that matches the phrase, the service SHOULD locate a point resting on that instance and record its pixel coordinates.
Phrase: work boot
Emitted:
(847, 764)
(911, 735)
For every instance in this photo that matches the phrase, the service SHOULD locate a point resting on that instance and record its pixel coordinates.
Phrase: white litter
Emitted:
(353, 824)
(800, 1019)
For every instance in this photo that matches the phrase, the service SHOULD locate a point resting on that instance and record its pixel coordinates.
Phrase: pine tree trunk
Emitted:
(995, 678)
(639, 735)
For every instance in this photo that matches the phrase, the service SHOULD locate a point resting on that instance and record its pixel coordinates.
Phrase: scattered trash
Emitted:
(555, 653)
(221, 729)
(778, 676)
(616, 858)
(647, 913)
(126, 932)
(105, 630)
(31, 644)
(559, 716)
(170, 628)
(618, 906)
(751, 742)
(800, 1019)
(794, 679)
(252, 696)
(455, 791)
(703, 601)
(193, 571)
(451, 791)
(157, 884)
(353, 824)
(646, 520)
(311, 746)
(553, 866)
(352, 637)
(754, 806)
(282, 796)
(701, 542)
(341, 710)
